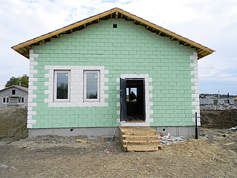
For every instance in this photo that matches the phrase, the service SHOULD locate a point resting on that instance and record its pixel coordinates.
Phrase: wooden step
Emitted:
(141, 147)
(140, 137)
(141, 142)
(127, 130)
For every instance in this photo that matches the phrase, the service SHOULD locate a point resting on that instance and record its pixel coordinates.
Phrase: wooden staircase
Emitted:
(140, 138)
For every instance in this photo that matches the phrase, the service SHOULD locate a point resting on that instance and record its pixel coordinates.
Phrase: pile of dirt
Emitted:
(13, 122)
(219, 119)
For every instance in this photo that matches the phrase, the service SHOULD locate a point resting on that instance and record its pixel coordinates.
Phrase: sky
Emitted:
(212, 23)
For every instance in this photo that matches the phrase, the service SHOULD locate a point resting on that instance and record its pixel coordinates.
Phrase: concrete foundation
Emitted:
(107, 131)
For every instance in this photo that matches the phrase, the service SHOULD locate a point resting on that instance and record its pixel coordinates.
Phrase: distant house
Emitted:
(109, 70)
(14, 97)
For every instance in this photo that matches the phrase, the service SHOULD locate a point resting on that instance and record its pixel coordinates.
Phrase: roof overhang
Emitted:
(23, 48)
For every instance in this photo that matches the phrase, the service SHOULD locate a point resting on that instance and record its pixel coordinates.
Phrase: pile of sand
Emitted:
(13, 122)
(219, 119)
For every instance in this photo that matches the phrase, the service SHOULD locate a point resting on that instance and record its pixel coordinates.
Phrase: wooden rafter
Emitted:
(26, 53)
(116, 15)
(198, 49)
(134, 21)
(205, 53)
(172, 38)
(202, 52)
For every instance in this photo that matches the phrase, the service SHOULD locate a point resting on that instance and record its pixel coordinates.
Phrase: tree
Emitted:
(21, 81)
(24, 81)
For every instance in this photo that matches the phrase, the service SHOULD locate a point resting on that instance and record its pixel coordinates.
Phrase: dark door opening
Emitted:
(132, 99)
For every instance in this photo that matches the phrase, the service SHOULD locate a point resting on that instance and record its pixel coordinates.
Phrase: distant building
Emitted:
(216, 103)
(14, 97)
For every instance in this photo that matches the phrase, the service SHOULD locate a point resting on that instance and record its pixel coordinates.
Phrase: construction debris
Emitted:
(233, 129)
(23, 147)
(168, 139)
(80, 141)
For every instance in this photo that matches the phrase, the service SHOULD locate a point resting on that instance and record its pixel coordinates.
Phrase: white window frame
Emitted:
(6, 100)
(98, 85)
(3, 100)
(55, 85)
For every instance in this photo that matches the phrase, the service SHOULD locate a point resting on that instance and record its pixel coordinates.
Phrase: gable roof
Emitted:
(15, 86)
(23, 48)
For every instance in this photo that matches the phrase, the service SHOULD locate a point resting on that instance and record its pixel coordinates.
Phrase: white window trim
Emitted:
(55, 85)
(77, 88)
(5, 100)
(98, 86)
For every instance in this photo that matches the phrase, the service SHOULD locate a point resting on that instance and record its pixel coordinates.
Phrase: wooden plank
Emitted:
(140, 137)
(141, 141)
(81, 141)
(141, 148)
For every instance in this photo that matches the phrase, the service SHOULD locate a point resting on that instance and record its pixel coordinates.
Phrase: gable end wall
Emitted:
(127, 50)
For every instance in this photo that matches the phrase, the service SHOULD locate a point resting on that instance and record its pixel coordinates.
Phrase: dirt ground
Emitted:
(53, 156)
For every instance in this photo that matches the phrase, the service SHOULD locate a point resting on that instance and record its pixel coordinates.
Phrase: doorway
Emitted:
(132, 99)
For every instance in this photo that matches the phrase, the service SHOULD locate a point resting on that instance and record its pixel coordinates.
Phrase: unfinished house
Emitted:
(14, 97)
(109, 70)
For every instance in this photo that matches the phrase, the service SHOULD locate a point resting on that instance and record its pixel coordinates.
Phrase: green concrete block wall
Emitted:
(128, 49)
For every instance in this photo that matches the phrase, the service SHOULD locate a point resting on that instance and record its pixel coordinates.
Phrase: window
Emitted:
(62, 86)
(4, 100)
(91, 85)
(20, 100)
(13, 92)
